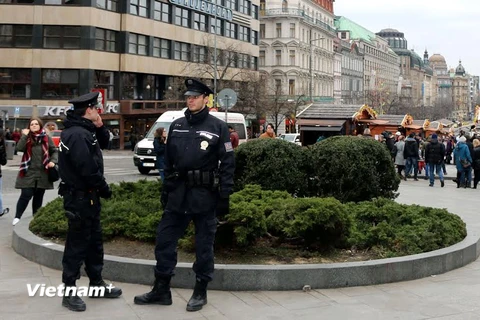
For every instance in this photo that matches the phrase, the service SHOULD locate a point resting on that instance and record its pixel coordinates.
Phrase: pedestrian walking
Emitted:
(434, 155)
(83, 184)
(160, 138)
(3, 161)
(199, 167)
(411, 156)
(39, 154)
(234, 138)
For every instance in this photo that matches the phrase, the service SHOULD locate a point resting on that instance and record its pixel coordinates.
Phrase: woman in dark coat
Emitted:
(476, 162)
(159, 149)
(39, 154)
(3, 161)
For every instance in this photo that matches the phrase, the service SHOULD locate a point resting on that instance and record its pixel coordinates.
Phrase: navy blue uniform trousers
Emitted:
(171, 228)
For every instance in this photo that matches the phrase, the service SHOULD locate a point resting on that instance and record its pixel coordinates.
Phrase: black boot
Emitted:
(199, 296)
(110, 290)
(73, 302)
(160, 293)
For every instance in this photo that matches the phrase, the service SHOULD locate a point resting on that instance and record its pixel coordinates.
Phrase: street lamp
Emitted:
(311, 67)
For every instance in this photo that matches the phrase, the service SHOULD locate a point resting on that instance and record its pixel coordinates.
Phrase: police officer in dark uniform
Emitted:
(199, 167)
(80, 165)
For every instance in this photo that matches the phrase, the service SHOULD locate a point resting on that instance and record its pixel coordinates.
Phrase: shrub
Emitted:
(133, 212)
(274, 164)
(395, 229)
(351, 169)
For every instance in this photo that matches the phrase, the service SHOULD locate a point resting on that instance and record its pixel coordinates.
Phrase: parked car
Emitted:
(291, 137)
(55, 135)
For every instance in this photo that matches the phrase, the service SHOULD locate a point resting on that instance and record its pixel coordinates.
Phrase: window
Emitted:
(279, 30)
(61, 37)
(284, 6)
(199, 22)
(218, 29)
(242, 61)
(16, 1)
(111, 5)
(292, 58)
(15, 83)
(292, 30)
(254, 37)
(15, 36)
(105, 80)
(244, 33)
(105, 40)
(199, 54)
(262, 31)
(254, 11)
(231, 59)
(181, 51)
(59, 84)
(161, 11)
(230, 4)
(181, 17)
(278, 86)
(254, 63)
(261, 59)
(230, 30)
(244, 6)
(278, 57)
(139, 8)
(291, 87)
(137, 44)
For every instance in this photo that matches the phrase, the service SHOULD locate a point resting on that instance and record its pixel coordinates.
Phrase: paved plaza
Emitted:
(454, 295)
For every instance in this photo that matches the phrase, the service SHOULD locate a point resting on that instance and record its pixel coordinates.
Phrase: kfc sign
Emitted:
(56, 111)
(101, 98)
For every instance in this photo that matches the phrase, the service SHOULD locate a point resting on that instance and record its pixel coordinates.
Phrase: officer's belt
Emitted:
(196, 178)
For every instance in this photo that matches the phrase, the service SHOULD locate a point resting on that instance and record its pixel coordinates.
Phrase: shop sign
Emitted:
(56, 111)
(207, 7)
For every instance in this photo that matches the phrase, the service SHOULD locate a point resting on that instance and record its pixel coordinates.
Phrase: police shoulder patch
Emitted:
(228, 147)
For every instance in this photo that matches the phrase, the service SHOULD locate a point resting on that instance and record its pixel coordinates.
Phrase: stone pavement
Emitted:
(454, 295)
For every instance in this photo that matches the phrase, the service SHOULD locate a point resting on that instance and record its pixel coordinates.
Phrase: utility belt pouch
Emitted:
(197, 177)
(206, 180)
(190, 179)
(216, 180)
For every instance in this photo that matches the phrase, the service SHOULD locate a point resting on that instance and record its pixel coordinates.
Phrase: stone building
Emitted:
(461, 93)
(443, 86)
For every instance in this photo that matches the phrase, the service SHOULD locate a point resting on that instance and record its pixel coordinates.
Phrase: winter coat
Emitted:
(3, 155)
(476, 158)
(159, 148)
(434, 152)
(461, 152)
(399, 158)
(411, 148)
(36, 175)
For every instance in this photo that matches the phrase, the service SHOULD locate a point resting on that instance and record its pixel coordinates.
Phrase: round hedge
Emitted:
(351, 169)
(274, 164)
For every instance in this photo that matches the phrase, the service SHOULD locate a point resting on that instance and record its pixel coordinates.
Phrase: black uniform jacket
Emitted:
(198, 142)
(80, 160)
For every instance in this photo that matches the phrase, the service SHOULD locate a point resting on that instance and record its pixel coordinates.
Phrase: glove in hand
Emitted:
(105, 192)
(223, 207)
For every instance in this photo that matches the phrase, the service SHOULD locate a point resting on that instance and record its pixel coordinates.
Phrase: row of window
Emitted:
(314, 38)
(319, 63)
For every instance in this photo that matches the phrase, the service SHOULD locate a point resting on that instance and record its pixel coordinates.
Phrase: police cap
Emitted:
(196, 88)
(85, 101)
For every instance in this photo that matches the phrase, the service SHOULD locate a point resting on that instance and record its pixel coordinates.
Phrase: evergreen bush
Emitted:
(351, 169)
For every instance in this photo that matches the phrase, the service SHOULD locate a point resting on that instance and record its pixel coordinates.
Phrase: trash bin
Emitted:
(10, 149)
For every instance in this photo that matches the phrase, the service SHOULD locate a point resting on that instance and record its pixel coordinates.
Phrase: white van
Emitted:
(144, 157)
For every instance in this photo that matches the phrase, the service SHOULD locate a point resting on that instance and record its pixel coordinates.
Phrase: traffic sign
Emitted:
(227, 98)
(16, 114)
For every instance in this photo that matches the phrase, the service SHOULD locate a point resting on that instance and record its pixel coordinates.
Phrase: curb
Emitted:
(265, 277)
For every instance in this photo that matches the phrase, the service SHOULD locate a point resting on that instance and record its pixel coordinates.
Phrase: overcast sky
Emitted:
(450, 28)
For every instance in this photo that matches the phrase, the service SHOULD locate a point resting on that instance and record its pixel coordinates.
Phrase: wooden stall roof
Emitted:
(445, 122)
(435, 126)
(332, 111)
(320, 122)
(418, 124)
(394, 119)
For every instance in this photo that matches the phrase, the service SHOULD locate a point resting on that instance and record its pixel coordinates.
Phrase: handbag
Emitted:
(53, 174)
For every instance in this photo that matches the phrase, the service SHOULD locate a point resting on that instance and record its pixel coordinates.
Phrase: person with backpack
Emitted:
(434, 155)
(463, 162)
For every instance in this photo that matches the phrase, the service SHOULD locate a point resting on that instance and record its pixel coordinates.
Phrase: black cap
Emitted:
(85, 101)
(196, 88)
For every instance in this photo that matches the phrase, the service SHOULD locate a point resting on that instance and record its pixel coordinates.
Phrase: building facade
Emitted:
(296, 48)
(443, 87)
(381, 63)
(461, 93)
(134, 50)
(352, 75)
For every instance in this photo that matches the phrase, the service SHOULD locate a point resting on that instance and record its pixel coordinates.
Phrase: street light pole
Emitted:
(311, 65)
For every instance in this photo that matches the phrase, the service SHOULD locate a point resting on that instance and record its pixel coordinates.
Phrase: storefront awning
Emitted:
(320, 122)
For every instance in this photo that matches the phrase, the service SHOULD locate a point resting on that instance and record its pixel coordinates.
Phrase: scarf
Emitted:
(42, 138)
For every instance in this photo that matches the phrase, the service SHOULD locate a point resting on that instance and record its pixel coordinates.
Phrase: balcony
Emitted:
(285, 12)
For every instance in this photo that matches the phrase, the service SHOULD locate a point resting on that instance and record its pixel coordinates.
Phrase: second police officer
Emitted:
(199, 168)
(80, 164)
